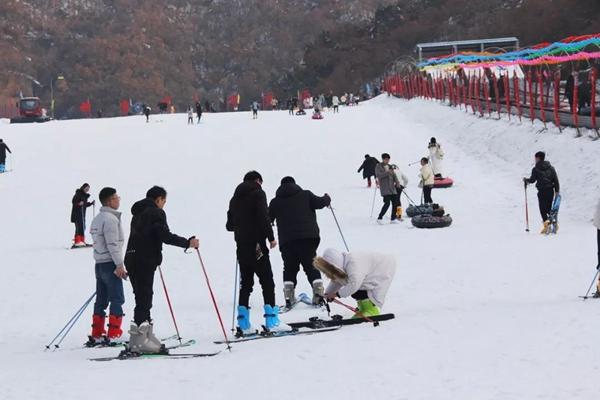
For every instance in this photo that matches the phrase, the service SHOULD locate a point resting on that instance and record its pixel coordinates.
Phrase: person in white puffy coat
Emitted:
(365, 276)
(436, 155)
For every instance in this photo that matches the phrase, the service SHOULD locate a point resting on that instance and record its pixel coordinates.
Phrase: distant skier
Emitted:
(149, 230)
(426, 180)
(3, 149)
(368, 168)
(364, 276)
(198, 111)
(79, 204)
(387, 187)
(255, 110)
(190, 114)
(147, 113)
(336, 104)
(436, 155)
(546, 180)
(248, 218)
(110, 268)
(294, 211)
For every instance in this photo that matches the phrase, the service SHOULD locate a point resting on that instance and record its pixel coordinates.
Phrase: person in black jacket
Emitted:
(199, 110)
(149, 230)
(546, 180)
(3, 149)
(294, 211)
(248, 218)
(79, 204)
(368, 168)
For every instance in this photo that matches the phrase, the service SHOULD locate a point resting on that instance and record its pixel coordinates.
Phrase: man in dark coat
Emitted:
(298, 231)
(3, 149)
(79, 203)
(546, 180)
(368, 168)
(199, 110)
(248, 218)
(149, 230)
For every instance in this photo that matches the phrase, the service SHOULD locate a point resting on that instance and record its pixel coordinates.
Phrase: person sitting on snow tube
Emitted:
(431, 221)
(301, 112)
(317, 115)
(366, 277)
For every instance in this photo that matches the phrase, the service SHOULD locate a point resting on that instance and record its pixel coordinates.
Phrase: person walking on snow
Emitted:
(199, 110)
(401, 181)
(546, 181)
(597, 225)
(110, 268)
(3, 149)
(147, 113)
(79, 204)
(190, 113)
(248, 218)
(426, 180)
(254, 110)
(149, 230)
(364, 276)
(336, 104)
(436, 155)
(294, 211)
(387, 187)
(368, 168)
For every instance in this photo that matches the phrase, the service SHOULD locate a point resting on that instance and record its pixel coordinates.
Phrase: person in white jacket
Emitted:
(336, 104)
(427, 180)
(436, 155)
(597, 225)
(365, 276)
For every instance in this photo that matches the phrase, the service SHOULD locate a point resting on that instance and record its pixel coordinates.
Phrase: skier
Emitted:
(79, 204)
(298, 231)
(248, 218)
(597, 225)
(199, 110)
(110, 270)
(546, 180)
(147, 113)
(387, 187)
(3, 149)
(336, 104)
(149, 230)
(427, 180)
(190, 113)
(254, 110)
(366, 277)
(436, 155)
(368, 168)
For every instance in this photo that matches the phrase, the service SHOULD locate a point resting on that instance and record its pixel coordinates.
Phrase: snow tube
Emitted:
(317, 116)
(413, 210)
(442, 182)
(429, 221)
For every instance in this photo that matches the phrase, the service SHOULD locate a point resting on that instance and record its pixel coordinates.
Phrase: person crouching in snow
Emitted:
(364, 276)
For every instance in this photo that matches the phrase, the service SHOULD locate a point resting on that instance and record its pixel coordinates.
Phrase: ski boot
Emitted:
(78, 241)
(289, 294)
(244, 328)
(114, 327)
(545, 228)
(272, 322)
(143, 341)
(366, 308)
(597, 294)
(98, 336)
(318, 292)
(399, 213)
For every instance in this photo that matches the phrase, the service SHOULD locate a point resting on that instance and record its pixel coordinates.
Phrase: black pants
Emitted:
(400, 195)
(387, 200)
(598, 239)
(336, 109)
(427, 194)
(141, 276)
(79, 228)
(545, 199)
(360, 295)
(249, 265)
(297, 252)
(199, 116)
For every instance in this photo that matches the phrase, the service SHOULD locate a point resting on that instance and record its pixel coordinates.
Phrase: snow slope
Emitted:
(484, 310)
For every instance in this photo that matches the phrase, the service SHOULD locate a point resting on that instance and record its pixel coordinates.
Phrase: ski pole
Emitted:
(413, 163)
(408, 197)
(235, 292)
(526, 210)
(71, 321)
(169, 303)
(360, 314)
(212, 295)
(373, 204)
(591, 284)
(339, 229)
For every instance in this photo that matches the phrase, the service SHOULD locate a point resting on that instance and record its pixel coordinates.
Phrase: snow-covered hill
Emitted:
(483, 309)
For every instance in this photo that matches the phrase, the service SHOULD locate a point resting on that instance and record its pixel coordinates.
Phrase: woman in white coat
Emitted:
(365, 276)
(436, 155)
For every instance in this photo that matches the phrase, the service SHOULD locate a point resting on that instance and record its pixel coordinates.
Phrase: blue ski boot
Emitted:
(244, 326)
(272, 322)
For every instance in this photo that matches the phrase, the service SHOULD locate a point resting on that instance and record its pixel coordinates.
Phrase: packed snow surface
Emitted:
(483, 309)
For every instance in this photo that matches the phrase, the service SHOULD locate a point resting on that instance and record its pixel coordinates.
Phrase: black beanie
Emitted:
(252, 176)
(385, 155)
(288, 179)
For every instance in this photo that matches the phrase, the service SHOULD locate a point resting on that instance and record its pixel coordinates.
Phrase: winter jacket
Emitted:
(78, 211)
(294, 211)
(254, 106)
(399, 178)
(597, 216)
(544, 176)
(108, 236)
(149, 230)
(368, 167)
(190, 113)
(385, 174)
(372, 272)
(426, 176)
(335, 101)
(3, 149)
(248, 214)
(436, 155)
